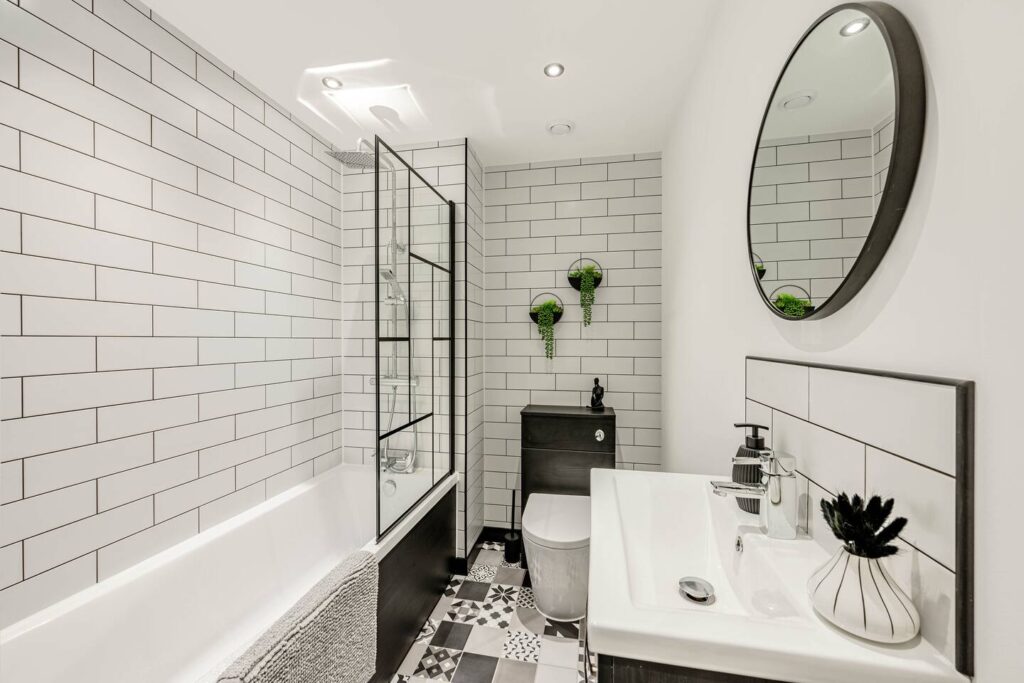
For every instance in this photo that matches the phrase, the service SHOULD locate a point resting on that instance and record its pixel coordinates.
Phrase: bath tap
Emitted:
(777, 492)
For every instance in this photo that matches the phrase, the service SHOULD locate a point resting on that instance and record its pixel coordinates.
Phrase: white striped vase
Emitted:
(858, 595)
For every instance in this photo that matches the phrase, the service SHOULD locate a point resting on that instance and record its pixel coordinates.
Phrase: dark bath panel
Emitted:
(412, 578)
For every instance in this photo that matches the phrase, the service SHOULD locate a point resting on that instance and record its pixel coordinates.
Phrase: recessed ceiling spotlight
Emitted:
(331, 82)
(554, 70)
(855, 27)
(561, 127)
(798, 100)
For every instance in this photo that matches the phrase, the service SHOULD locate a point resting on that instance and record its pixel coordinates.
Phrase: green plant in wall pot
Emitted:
(546, 314)
(793, 306)
(853, 589)
(586, 279)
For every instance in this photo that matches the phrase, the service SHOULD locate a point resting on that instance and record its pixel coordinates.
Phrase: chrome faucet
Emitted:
(777, 492)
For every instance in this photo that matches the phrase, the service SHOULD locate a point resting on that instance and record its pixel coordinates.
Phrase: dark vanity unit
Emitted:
(558, 442)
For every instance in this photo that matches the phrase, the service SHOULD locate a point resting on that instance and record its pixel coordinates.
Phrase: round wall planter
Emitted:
(758, 264)
(578, 264)
(808, 308)
(547, 333)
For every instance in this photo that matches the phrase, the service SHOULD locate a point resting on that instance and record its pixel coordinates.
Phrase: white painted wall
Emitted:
(946, 299)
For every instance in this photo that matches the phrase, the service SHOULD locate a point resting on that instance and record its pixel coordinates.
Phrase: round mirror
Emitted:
(835, 160)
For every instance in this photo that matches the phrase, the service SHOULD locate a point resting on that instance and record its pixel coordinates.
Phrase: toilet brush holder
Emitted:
(513, 545)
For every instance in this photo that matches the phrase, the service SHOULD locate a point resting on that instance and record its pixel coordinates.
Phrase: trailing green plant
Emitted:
(758, 267)
(792, 306)
(862, 528)
(587, 275)
(546, 311)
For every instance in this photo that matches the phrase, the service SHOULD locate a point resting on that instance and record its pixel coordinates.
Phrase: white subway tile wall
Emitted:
(542, 217)
(171, 309)
(812, 203)
(845, 430)
(453, 168)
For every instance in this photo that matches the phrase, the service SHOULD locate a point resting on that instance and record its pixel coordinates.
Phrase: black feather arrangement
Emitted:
(862, 528)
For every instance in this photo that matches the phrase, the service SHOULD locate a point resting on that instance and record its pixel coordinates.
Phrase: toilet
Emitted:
(556, 535)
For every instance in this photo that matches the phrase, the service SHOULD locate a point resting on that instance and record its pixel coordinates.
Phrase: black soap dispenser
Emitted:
(752, 447)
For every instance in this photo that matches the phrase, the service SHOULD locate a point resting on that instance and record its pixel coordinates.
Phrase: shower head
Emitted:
(353, 159)
(392, 280)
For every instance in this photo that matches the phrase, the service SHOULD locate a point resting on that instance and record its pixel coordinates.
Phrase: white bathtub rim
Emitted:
(166, 556)
(208, 667)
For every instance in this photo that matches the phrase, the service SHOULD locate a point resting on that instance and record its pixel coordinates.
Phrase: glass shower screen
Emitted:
(414, 231)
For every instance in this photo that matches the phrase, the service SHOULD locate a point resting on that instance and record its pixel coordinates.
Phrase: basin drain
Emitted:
(697, 590)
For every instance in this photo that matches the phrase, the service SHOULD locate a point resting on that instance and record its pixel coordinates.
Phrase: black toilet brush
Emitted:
(512, 537)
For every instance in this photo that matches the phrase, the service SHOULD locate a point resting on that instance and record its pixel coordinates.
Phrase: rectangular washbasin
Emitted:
(649, 529)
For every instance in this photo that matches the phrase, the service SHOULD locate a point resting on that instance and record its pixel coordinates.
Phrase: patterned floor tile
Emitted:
(506, 563)
(482, 572)
(522, 646)
(497, 615)
(486, 629)
(474, 668)
(486, 640)
(525, 597)
(463, 611)
(561, 652)
(438, 663)
(492, 545)
(514, 671)
(507, 595)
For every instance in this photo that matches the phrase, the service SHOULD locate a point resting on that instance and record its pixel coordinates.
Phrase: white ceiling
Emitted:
(473, 67)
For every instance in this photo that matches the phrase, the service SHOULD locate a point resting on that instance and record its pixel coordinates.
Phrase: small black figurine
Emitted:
(597, 396)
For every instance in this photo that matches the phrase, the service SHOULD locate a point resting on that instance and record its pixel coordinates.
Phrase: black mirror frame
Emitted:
(908, 139)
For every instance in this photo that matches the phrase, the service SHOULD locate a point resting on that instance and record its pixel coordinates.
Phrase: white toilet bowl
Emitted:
(556, 534)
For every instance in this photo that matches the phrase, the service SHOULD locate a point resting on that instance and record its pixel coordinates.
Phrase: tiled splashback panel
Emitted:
(171, 270)
(540, 218)
(902, 437)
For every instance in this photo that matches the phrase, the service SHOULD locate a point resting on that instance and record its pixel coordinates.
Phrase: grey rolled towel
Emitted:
(329, 636)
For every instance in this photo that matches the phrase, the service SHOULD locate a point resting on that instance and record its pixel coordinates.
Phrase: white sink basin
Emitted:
(649, 529)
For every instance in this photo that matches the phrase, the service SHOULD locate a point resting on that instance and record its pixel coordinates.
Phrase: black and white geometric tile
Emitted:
(438, 663)
(486, 629)
(522, 645)
(482, 572)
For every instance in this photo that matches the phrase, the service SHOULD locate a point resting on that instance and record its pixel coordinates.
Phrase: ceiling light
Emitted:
(798, 100)
(554, 70)
(331, 82)
(561, 127)
(855, 27)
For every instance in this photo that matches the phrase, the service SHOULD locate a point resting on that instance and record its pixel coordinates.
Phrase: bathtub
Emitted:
(185, 614)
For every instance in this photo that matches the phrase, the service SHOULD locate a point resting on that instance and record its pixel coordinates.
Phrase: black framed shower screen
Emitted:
(441, 332)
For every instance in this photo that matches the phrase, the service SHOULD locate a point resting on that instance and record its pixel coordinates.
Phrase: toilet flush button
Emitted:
(599, 435)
